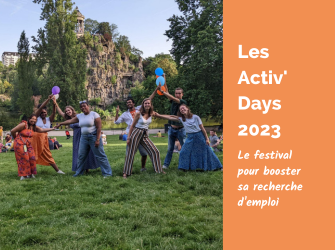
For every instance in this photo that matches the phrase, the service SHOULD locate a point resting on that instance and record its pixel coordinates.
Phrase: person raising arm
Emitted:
(176, 130)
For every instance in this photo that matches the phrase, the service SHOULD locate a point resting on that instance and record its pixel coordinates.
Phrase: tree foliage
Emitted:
(91, 26)
(197, 40)
(25, 76)
(59, 53)
(123, 42)
(103, 28)
(94, 27)
(164, 61)
(145, 89)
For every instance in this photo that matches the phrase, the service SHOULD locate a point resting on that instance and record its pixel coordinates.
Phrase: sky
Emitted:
(143, 21)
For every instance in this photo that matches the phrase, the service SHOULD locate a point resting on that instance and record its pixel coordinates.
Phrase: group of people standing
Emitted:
(31, 144)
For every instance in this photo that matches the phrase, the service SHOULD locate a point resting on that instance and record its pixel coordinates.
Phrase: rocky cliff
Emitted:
(110, 73)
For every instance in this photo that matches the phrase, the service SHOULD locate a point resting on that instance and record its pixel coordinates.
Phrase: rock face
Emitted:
(110, 74)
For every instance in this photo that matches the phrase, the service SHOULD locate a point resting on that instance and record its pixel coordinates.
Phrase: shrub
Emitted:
(129, 84)
(96, 39)
(117, 60)
(136, 69)
(99, 48)
(131, 67)
(103, 113)
(113, 79)
(133, 58)
(88, 39)
(5, 103)
(95, 101)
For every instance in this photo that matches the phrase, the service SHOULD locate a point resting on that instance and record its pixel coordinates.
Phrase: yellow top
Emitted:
(159, 134)
(1, 131)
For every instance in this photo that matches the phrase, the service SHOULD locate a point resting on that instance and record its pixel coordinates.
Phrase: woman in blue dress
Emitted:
(195, 153)
(90, 161)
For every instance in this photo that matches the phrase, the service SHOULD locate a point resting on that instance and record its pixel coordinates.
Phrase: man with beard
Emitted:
(127, 117)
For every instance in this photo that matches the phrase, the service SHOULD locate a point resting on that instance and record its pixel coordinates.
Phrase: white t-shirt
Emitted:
(39, 122)
(192, 125)
(86, 122)
(142, 123)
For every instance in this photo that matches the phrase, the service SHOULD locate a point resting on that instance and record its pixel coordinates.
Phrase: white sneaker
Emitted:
(32, 176)
(60, 172)
(165, 167)
(23, 178)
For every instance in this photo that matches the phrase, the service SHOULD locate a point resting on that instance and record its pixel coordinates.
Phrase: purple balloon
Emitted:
(55, 90)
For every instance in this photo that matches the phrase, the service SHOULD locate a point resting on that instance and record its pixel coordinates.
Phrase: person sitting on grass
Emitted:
(195, 153)
(214, 141)
(124, 137)
(56, 143)
(2, 148)
(121, 136)
(67, 133)
(8, 140)
(104, 138)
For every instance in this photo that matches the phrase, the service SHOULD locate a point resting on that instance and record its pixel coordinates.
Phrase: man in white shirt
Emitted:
(127, 117)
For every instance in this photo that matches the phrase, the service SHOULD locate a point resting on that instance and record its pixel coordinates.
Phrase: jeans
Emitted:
(87, 142)
(174, 134)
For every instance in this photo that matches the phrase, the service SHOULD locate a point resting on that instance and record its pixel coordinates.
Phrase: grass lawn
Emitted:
(146, 211)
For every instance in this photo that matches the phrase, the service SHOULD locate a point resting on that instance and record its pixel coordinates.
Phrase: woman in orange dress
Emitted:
(40, 142)
(24, 151)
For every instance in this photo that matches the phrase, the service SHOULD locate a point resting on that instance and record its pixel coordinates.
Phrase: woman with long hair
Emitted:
(24, 151)
(40, 140)
(90, 124)
(68, 114)
(138, 134)
(195, 153)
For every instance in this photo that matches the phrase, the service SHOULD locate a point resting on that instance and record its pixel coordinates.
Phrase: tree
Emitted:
(2, 87)
(136, 54)
(25, 76)
(144, 89)
(91, 26)
(103, 28)
(114, 31)
(60, 57)
(164, 61)
(8, 87)
(123, 42)
(197, 39)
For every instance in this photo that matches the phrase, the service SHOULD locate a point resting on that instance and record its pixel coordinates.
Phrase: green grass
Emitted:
(146, 211)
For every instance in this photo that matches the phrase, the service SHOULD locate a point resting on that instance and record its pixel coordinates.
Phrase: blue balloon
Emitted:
(161, 80)
(159, 71)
